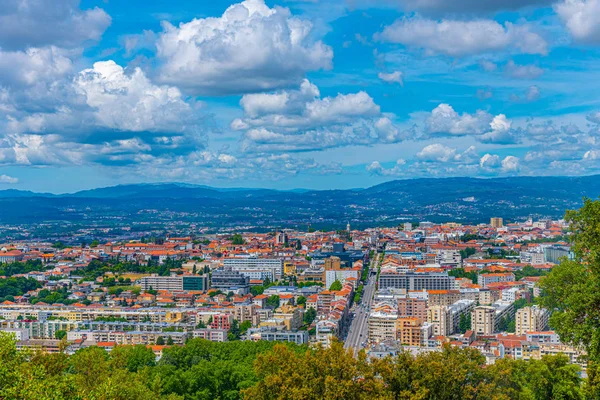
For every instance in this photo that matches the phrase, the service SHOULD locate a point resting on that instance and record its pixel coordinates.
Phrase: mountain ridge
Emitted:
(466, 200)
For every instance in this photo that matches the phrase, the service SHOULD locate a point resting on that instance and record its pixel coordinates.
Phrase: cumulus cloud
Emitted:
(510, 164)
(38, 23)
(489, 161)
(114, 99)
(438, 152)
(8, 179)
(300, 120)
(458, 38)
(392, 77)
(501, 132)
(592, 155)
(582, 19)
(399, 169)
(446, 121)
(522, 71)
(251, 47)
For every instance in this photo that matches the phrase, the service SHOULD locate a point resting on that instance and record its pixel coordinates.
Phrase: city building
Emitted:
(531, 319)
(417, 281)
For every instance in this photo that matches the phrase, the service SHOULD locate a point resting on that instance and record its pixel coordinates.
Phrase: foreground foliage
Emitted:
(262, 370)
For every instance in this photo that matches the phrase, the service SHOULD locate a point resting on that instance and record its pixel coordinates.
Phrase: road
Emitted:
(359, 328)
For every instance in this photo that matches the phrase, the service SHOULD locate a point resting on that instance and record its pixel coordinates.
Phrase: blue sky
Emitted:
(295, 93)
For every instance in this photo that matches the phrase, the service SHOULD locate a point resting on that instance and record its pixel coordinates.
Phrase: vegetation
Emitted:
(571, 290)
(468, 252)
(15, 268)
(335, 286)
(264, 370)
(237, 239)
(529, 271)
(17, 287)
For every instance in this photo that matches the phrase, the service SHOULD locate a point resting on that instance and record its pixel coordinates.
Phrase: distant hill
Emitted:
(459, 199)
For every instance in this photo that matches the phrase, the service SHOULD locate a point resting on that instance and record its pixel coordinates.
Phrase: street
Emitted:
(359, 328)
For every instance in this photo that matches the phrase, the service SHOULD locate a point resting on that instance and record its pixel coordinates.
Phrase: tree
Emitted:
(310, 315)
(464, 323)
(237, 239)
(94, 243)
(170, 341)
(571, 290)
(132, 358)
(160, 341)
(335, 286)
(331, 373)
(60, 335)
(301, 300)
(273, 301)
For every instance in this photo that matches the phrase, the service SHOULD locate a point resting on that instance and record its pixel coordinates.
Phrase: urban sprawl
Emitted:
(417, 288)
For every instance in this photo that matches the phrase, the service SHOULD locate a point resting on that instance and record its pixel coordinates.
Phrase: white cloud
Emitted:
(399, 169)
(300, 120)
(592, 155)
(489, 161)
(251, 47)
(501, 133)
(112, 99)
(522, 71)
(129, 101)
(445, 120)
(38, 23)
(458, 38)
(8, 179)
(510, 164)
(437, 152)
(582, 19)
(392, 77)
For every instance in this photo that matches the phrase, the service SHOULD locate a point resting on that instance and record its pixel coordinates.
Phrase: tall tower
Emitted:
(348, 227)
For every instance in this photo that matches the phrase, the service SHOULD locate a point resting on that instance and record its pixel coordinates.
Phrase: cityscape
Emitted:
(417, 287)
(299, 200)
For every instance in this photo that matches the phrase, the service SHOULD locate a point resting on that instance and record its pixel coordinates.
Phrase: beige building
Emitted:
(483, 320)
(382, 326)
(409, 331)
(441, 320)
(496, 222)
(531, 319)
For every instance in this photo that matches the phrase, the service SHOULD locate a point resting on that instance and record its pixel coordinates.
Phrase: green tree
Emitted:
(310, 315)
(237, 239)
(571, 290)
(301, 300)
(464, 323)
(160, 341)
(273, 301)
(170, 341)
(60, 335)
(335, 286)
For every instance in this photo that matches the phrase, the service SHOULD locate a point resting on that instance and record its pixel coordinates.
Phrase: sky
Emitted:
(320, 94)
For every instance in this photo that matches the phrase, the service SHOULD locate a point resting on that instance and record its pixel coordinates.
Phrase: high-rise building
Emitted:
(416, 281)
(174, 282)
(496, 222)
(483, 320)
(256, 268)
(411, 307)
(409, 331)
(531, 319)
(382, 326)
(226, 280)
